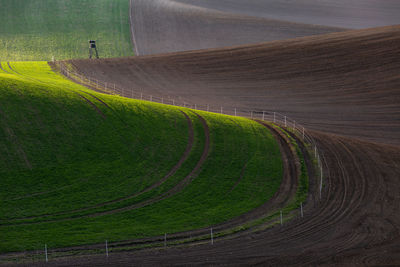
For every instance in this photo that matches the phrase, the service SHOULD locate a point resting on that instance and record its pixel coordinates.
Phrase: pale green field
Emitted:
(41, 29)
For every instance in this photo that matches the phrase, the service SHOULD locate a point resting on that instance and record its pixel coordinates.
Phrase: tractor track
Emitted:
(176, 189)
(174, 169)
(1, 68)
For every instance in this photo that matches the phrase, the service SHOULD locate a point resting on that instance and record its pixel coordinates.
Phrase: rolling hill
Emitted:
(79, 167)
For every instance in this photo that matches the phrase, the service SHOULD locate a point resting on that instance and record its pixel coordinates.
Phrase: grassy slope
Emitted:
(40, 29)
(77, 159)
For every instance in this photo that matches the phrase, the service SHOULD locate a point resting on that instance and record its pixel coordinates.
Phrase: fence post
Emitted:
(263, 116)
(285, 122)
(165, 240)
(320, 184)
(274, 117)
(151, 98)
(208, 108)
(173, 102)
(195, 106)
(212, 237)
(106, 248)
(281, 219)
(235, 112)
(303, 133)
(141, 96)
(221, 110)
(45, 251)
(301, 209)
(294, 125)
(114, 89)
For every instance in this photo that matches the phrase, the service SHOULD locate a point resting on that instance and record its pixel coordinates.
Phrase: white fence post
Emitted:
(320, 184)
(263, 116)
(301, 209)
(285, 122)
(235, 112)
(274, 117)
(106, 248)
(221, 110)
(45, 252)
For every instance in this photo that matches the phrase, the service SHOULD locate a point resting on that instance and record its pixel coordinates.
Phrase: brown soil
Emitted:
(161, 26)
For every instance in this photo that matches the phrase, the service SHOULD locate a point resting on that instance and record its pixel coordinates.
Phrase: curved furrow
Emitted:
(176, 189)
(171, 172)
(1, 68)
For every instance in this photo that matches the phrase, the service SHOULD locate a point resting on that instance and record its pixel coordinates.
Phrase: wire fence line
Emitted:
(269, 116)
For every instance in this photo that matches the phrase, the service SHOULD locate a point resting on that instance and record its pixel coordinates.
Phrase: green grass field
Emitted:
(41, 29)
(74, 169)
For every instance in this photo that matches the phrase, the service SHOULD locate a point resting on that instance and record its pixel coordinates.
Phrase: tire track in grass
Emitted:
(176, 189)
(174, 169)
(94, 106)
(1, 68)
(9, 65)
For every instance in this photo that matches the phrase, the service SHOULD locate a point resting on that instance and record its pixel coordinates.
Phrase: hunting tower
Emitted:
(92, 46)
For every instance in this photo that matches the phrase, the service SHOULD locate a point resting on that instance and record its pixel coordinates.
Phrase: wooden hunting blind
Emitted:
(92, 45)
